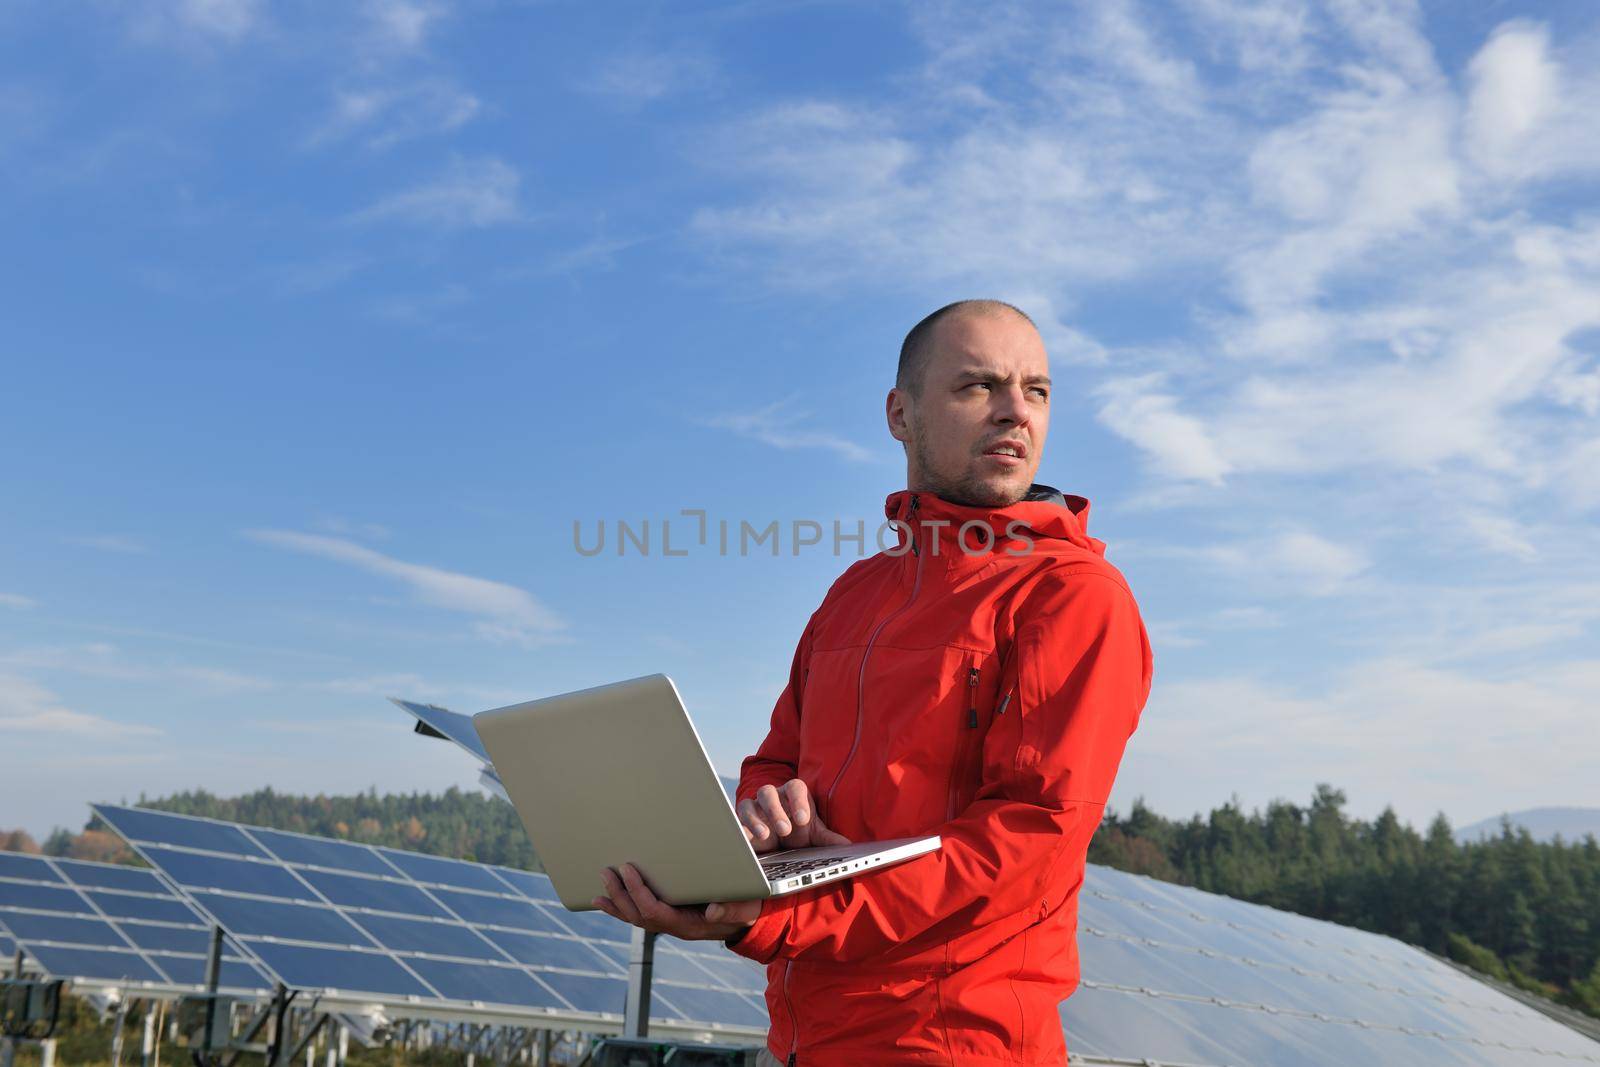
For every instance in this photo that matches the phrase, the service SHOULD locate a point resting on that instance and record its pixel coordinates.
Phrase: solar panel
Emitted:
(450, 724)
(1176, 974)
(365, 921)
(98, 922)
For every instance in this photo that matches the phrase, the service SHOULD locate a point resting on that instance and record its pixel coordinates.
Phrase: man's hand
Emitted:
(630, 900)
(779, 817)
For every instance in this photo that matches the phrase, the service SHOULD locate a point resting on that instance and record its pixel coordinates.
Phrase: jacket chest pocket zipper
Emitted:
(968, 736)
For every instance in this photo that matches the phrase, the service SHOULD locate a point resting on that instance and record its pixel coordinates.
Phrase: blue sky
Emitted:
(324, 324)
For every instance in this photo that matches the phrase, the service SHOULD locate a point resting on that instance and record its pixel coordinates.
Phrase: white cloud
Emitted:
(1263, 36)
(504, 612)
(1388, 303)
(1387, 731)
(1135, 409)
(1251, 617)
(402, 24)
(470, 193)
(1288, 561)
(17, 600)
(229, 19)
(1371, 161)
(1502, 534)
(27, 707)
(1514, 88)
(382, 117)
(420, 308)
(856, 194)
(195, 22)
(342, 527)
(99, 659)
(409, 685)
(639, 76)
(1123, 37)
(772, 425)
(1443, 369)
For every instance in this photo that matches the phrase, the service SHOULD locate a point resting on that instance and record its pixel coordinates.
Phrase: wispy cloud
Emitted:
(1144, 411)
(1288, 561)
(639, 76)
(196, 21)
(786, 429)
(17, 600)
(28, 707)
(342, 527)
(503, 612)
(420, 308)
(99, 659)
(225, 18)
(109, 543)
(1503, 534)
(313, 276)
(403, 24)
(380, 117)
(406, 684)
(471, 193)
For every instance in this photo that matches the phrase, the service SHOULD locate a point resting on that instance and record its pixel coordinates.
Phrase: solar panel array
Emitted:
(108, 923)
(1180, 976)
(408, 929)
(1170, 974)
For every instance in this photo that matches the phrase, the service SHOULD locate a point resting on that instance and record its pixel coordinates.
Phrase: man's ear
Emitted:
(895, 411)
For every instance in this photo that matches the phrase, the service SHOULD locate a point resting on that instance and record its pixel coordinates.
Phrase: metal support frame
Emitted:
(116, 1035)
(307, 1038)
(641, 961)
(8, 1050)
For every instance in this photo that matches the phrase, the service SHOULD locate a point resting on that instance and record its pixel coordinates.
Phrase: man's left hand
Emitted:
(630, 900)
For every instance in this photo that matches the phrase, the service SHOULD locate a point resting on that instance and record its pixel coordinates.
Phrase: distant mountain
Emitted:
(1543, 823)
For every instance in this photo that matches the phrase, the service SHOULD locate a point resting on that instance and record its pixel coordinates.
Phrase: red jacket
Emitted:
(984, 695)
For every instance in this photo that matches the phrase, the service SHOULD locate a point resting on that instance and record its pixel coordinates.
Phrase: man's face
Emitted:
(985, 387)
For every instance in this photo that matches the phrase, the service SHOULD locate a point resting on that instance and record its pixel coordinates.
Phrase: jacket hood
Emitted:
(1045, 512)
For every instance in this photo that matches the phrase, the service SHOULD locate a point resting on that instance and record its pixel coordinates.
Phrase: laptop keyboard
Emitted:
(790, 868)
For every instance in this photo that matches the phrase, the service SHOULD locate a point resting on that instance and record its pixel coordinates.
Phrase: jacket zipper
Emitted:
(861, 678)
(959, 765)
(794, 1024)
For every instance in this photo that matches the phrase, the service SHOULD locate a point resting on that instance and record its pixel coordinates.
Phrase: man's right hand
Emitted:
(780, 817)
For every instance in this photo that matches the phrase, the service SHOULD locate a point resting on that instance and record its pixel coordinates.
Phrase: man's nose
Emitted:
(1010, 407)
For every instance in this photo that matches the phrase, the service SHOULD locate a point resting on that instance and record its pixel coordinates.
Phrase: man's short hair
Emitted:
(918, 345)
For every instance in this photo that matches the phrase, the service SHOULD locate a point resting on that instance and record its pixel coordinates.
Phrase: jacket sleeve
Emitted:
(778, 758)
(1081, 666)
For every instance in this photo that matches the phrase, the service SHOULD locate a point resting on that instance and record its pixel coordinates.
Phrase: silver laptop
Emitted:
(616, 774)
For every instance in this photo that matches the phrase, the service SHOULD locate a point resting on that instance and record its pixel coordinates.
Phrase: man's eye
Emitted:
(1042, 394)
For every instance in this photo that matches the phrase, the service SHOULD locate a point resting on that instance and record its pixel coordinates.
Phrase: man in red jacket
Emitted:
(979, 681)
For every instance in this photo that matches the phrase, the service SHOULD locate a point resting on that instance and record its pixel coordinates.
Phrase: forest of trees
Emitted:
(1520, 910)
